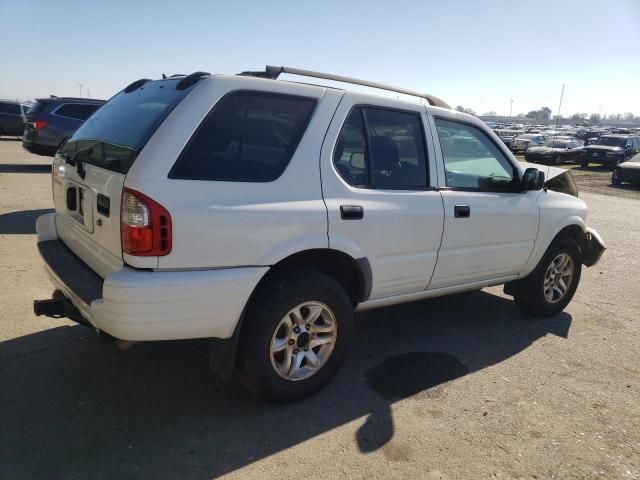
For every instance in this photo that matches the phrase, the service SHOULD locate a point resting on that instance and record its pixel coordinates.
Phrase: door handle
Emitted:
(462, 211)
(351, 212)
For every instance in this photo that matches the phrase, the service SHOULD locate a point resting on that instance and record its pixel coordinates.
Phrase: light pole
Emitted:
(80, 85)
(510, 109)
(559, 106)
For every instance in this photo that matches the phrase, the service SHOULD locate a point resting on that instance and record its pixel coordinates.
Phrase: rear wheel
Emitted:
(550, 287)
(295, 335)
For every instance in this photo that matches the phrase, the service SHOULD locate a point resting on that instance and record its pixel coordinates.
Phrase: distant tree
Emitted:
(465, 110)
(543, 115)
(490, 113)
(629, 116)
(595, 118)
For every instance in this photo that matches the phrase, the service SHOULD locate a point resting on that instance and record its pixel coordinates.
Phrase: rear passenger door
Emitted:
(489, 225)
(377, 178)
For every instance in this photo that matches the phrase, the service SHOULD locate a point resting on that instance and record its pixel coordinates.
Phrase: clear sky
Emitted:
(478, 54)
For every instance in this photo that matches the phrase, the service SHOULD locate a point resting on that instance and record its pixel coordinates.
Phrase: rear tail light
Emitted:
(40, 124)
(145, 225)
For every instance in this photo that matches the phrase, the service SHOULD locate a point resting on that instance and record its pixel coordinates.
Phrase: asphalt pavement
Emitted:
(458, 387)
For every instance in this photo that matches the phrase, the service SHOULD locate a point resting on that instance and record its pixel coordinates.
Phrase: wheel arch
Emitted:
(353, 274)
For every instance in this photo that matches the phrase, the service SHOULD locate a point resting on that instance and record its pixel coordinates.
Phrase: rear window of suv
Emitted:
(114, 135)
(77, 111)
(247, 137)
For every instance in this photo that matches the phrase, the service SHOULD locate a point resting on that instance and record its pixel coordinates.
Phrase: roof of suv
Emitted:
(67, 99)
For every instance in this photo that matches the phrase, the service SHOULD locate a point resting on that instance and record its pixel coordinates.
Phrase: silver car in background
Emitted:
(522, 142)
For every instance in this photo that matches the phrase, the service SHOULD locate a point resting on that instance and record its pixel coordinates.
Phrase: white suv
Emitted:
(262, 213)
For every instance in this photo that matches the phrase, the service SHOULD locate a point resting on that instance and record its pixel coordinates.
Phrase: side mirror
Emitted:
(532, 179)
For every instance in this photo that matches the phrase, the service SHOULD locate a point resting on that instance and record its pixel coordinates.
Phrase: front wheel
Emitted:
(295, 335)
(550, 287)
(615, 180)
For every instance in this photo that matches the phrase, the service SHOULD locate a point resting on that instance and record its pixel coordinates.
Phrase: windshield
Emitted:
(114, 135)
(611, 141)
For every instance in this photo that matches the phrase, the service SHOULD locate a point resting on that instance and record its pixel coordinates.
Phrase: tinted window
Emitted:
(388, 153)
(397, 149)
(350, 155)
(115, 134)
(247, 137)
(10, 108)
(79, 111)
(471, 159)
(611, 141)
(37, 107)
(25, 108)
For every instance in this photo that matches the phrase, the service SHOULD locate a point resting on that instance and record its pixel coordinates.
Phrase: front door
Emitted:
(378, 180)
(489, 226)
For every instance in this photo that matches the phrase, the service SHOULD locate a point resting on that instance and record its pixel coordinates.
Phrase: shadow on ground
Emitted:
(75, 408)
(24, 168)
(22, 222)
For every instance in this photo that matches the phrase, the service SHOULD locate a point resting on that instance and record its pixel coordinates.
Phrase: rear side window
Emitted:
(78, 111)
(247, 137)
(10, 108)
(37, 107)
(382, 148)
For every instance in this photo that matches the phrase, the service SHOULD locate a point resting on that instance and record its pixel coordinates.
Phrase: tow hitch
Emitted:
(59, 306)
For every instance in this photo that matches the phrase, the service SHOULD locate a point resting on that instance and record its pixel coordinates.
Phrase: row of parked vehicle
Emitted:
(543, 144)
(47, 123)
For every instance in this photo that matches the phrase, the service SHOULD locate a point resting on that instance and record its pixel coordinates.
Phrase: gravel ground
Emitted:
(453, 388)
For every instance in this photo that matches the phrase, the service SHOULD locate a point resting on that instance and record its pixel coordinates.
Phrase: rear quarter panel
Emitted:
(228, 224)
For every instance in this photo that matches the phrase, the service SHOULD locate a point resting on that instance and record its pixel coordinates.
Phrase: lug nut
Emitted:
(291, 342)
(296, 351)
(306, 348)
(296, 330)
(307, 326)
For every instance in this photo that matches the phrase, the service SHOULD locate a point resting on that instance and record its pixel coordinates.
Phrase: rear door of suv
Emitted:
(11, 120)
(378, 174)
(90, 169)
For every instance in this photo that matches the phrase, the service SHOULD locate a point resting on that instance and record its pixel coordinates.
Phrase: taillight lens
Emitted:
(145, 225)
(40, 124)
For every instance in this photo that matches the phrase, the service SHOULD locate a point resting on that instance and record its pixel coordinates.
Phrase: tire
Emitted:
(261, 370)
(557, 160)
(615, 180)
(531, 295)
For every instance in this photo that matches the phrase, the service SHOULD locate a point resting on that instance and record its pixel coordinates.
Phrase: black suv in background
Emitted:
(50, 121)
(12, 117)
(610, 150)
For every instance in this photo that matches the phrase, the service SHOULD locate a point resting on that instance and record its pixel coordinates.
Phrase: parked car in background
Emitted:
(12, 117)
(50, 121)
(555, 151)
(610, 150)
(522, 142)
(628, 172)
(507, 135)
(261, 213)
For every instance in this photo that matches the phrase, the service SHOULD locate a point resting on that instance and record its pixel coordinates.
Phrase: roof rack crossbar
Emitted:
(273, 72)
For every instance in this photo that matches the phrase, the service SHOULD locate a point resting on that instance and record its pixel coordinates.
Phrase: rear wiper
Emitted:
(72, 159)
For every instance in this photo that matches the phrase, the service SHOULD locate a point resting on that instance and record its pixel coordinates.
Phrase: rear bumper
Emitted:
(45, 150)
(134, 304)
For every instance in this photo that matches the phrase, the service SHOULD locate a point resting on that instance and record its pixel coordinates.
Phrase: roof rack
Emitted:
(273, 73)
